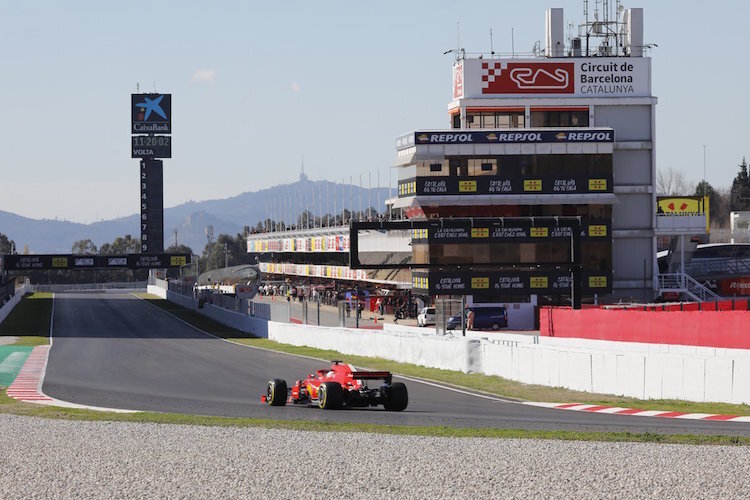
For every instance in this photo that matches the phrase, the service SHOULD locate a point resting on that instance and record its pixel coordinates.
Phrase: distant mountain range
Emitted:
(227, 216)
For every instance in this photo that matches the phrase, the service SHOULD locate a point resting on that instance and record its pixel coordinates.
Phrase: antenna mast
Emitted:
(602, 26)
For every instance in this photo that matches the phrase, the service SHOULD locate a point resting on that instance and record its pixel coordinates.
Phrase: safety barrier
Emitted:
(73, 287)
(432, 351)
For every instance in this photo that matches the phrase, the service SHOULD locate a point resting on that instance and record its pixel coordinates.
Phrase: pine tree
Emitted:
(740, 199)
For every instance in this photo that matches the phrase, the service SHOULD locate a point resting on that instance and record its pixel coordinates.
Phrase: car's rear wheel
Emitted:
(396, 397)
(330, 395)
(276, 392)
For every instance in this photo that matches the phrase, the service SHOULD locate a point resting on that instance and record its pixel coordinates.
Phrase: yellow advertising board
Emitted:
(60, 262)
(467, 186)
(480, 282)
(538, 282)
(597, 282)
(532, 185)
(177, 260)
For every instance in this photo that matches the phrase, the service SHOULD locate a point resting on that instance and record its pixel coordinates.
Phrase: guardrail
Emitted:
(684, 283)
(77, 287)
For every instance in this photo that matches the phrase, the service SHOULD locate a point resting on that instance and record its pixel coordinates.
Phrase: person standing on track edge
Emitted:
(470, 319)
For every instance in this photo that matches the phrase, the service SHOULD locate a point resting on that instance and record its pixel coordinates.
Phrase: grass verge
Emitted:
(30, 320)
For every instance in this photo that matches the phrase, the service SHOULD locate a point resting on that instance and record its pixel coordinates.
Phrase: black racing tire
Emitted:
(330, 396)
(395, 397)
(276, 392)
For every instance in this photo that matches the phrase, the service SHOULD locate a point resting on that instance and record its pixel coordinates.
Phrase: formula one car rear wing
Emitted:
(373, 376)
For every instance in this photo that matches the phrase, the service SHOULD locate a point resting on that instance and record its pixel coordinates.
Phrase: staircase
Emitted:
(684, 283)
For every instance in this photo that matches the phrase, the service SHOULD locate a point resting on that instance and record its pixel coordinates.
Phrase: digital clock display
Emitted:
(151, 146)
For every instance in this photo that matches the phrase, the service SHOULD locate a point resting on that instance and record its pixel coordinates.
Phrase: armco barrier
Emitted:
(728, 329)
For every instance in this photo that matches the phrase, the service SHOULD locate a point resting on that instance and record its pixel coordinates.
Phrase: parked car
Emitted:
(426, 316)
(484, 318)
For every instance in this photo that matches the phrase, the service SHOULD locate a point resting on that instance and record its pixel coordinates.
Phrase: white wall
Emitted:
(433, 351)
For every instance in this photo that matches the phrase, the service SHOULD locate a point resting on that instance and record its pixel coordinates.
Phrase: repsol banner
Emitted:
(515, 136)
(507, 184)
(510, 282)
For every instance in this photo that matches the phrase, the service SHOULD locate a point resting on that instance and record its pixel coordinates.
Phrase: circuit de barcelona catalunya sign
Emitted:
(579, 77)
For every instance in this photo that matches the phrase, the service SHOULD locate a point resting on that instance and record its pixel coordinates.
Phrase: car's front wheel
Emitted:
(330, 395)
(276, 392)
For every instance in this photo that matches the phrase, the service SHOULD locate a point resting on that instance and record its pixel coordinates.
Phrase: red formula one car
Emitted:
(340, 386)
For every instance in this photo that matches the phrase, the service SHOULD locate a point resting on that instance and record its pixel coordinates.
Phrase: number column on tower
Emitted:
(152, 206)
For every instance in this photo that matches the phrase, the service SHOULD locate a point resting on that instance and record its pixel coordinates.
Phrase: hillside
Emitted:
(227, 216)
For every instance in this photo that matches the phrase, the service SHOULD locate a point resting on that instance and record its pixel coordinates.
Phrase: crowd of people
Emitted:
(400, 305)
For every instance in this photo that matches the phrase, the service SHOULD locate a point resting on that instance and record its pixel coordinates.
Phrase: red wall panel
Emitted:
(730, 329)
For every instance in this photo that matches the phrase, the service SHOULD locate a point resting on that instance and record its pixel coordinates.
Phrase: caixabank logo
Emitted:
(528, 78)
(151, 113)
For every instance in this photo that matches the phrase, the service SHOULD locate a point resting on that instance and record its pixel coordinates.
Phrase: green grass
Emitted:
(29, 320)
(493, 385)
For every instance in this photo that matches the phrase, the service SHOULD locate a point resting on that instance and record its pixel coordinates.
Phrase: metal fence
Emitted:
(83, 287)
(280, 311)
(444, 310)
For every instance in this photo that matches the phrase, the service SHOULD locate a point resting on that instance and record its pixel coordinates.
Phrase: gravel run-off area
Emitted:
(42, 458)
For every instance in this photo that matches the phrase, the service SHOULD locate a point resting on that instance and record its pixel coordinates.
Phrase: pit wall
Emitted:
(632, 369)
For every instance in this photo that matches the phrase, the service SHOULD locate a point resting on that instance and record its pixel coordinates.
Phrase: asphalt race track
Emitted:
(117, 351)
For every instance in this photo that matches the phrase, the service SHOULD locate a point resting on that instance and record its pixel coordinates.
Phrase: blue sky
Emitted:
(256, 85)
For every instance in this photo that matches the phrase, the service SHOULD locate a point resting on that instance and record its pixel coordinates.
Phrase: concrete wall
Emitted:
(628, 166)
(631, 123)
(643, 375)
(433, 351)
